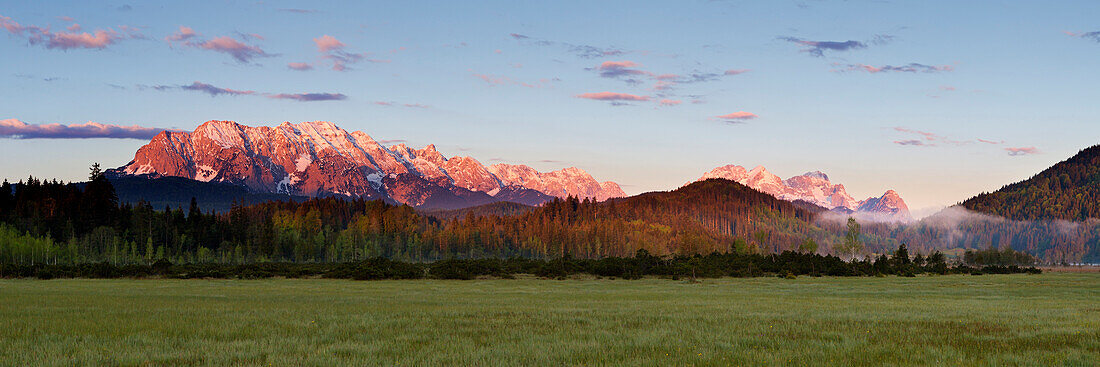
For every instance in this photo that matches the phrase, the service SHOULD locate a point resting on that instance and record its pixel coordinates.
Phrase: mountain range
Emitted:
(321, 159)
(815, 188)
(316, 159)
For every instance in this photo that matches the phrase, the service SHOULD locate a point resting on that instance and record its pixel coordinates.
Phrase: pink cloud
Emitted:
(73, 28)
(617, 69)
(670, 102)
(328, 43)
(990, 141)
(739, 116)
(617, 65)
(1017, 151)
(611, 96)
(332, 49)
(183, 34)
(736, 71)
(15, 129)
(240, 51)
(947, 88)
(98, 39)
(300, 66)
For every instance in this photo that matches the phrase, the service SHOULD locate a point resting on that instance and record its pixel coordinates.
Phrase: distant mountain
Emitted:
(1069, 190)
(176, 192)
(319, 158)
(815, 188)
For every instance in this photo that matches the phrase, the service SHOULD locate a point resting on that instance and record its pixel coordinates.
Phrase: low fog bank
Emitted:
(955, 227)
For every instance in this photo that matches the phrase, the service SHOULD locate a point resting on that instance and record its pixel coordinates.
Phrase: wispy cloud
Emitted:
(912, 142)
(582, 51)
(335, 51)
(495, 80)
(15, 129)
(396, 104)
(298, 11)
(183, 34)
(612, 96)
(671, 102)
(929, 139)
(214, 91)
(240, 51)
(98, 39)
(309, 97)
(300, 66)
(618, 69)
(1094, 36)
(818, 48)
(1018, 151)
(735, 71)
(737, 117)
(907, 68)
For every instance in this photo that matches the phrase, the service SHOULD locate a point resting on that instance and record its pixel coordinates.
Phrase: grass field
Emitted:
(1051, 319)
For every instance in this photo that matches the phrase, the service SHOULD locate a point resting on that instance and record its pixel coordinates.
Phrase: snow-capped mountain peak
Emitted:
(815, 187)
(319, 158)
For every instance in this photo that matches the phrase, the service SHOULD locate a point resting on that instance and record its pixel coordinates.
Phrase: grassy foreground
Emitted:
(1051, 319)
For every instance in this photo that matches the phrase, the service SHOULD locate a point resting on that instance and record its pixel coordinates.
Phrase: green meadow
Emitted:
(1052, 319)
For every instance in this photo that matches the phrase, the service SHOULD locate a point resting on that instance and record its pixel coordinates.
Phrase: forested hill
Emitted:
(1069, 190)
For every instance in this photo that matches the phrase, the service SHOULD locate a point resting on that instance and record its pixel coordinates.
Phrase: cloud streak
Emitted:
(818, 48)
(929, 139)
(612, 96)
(15, 129)
(309, 97)
(907, 68)
(737, 117)
(582, 51)
(495, 80)
(214, 91)
(1019, 151)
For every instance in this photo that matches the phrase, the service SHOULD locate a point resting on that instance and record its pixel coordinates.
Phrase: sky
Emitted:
(939, 100)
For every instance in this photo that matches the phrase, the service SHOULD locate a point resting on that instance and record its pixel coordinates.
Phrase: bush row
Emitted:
(642, 264)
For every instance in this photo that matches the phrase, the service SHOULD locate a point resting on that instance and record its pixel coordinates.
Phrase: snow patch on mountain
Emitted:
(815, 187)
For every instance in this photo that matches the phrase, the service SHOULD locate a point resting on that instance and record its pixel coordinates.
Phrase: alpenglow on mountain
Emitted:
(815, 187)
(321, 159)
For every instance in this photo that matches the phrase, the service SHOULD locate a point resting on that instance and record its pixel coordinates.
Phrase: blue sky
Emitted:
(879, 95)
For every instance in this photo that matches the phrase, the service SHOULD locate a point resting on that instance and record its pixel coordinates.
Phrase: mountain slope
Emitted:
(318, 159)
(815, 187)
(1069, 190)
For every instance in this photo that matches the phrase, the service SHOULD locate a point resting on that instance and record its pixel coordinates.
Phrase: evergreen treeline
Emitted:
(1069, 190)
(787, 264)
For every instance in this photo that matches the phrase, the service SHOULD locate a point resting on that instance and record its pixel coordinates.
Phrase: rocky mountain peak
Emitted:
(319, 158)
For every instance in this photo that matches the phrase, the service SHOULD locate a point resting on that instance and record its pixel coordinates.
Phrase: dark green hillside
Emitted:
(1069, 190)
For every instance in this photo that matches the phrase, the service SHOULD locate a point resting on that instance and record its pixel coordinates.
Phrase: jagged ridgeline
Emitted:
(318, 159)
